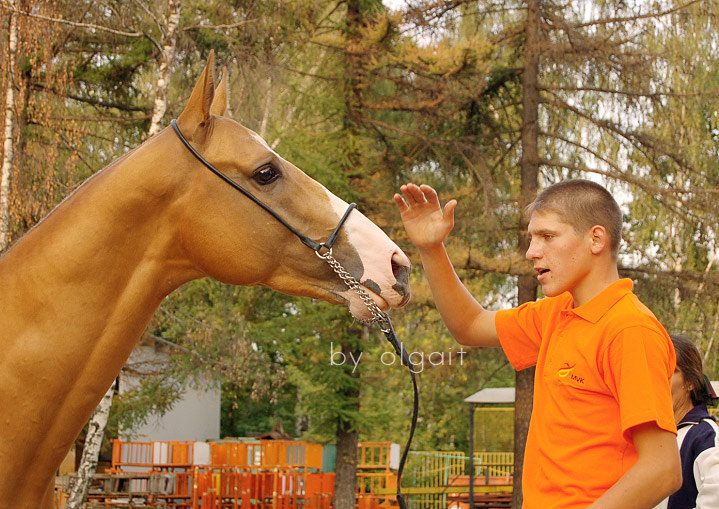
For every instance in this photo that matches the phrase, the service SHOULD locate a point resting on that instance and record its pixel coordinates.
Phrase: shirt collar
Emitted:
(695, 415)
(593, 310)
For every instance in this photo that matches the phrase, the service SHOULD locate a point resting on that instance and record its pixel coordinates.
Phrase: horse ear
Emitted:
(197, 111)
(219, 102)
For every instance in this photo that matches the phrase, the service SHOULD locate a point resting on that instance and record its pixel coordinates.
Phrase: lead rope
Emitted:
(385, 325)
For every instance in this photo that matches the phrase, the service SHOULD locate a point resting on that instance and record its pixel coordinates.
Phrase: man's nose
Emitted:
(532, 251)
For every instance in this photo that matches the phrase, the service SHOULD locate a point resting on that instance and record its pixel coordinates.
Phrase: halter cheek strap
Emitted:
(312, 244)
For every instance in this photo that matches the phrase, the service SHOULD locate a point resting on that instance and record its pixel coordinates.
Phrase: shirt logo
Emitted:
(566, 372)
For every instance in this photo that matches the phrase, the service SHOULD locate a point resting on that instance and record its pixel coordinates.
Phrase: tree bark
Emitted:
(9, 133)
(347, 436)
(347, 439)
(169, 44)
(91, 451)
(527, 283)
(346, 467)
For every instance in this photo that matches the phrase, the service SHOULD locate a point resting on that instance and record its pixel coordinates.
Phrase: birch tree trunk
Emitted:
(167, 54)
(91, 450)
(8, 139)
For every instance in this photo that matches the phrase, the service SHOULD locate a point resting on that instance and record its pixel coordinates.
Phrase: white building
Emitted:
(196, 416)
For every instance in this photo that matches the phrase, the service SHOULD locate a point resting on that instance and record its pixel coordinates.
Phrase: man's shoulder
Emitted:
(629, 311)
(542, 312)
(630, 318)
(546, 306)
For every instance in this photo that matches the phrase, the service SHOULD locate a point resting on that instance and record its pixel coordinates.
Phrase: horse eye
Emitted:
(266, 175)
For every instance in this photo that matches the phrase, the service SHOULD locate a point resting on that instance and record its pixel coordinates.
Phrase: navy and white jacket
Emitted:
(698, 440)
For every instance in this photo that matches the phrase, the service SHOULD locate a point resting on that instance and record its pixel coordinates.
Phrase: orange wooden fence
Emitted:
(278, 474)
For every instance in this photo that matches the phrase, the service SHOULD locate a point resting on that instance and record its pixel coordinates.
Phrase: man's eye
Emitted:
(266, 175)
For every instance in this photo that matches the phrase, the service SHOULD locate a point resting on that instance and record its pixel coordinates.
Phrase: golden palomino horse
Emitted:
(78, 290)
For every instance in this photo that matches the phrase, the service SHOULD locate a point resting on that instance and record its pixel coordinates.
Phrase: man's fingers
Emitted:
(449, 210)
(400, 202)
(413, 194)
(407, 196)
(430, 195)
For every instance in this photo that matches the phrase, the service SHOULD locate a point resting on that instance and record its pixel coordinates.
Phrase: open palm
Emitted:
(424, 220)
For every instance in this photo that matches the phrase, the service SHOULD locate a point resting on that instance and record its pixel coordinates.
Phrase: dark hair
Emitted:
(689, 362)
(582, 204)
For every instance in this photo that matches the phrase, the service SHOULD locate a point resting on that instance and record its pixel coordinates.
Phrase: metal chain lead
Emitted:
(378, 316)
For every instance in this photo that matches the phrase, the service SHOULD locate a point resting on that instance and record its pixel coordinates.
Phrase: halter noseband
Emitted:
(378, 315)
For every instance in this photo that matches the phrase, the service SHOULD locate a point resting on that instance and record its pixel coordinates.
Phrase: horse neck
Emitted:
(106, 254)
(76, 293)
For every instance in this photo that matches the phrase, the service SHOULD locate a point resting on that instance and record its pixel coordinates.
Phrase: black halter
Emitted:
(313, 245)
(381, 317)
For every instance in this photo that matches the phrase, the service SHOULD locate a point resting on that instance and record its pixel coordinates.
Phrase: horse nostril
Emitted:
(401, 269)
(395, 269)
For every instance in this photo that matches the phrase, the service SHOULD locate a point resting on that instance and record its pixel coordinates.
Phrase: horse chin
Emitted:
(358, 308)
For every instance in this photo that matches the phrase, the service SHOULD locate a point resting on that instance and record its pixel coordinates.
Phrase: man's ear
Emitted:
(219, 102)
(599, 239)
(197, 112)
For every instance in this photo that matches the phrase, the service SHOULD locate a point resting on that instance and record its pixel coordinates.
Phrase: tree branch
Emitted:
(626, 19)
(220, 27)
(77, 24)
(645, 186)
(91, 101)
(710, 278)
(630, 93)
(511, 263)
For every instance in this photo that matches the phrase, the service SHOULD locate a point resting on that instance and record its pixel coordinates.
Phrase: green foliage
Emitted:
(246, 415)
(364, 101)
(494, 429)
(155, 395)
(304, 333)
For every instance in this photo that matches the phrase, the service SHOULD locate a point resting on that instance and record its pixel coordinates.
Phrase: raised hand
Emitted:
(424, 220)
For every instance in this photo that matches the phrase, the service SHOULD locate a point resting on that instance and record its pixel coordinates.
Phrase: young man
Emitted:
(602, 433)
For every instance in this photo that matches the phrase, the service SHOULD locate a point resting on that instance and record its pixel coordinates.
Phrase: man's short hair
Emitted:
(582, 204)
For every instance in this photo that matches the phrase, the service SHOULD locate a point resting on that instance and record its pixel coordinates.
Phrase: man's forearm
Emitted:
(460, 311)
(655, 475)
(637, 489)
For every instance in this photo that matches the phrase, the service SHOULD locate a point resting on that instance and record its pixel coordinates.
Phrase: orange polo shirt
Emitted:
(602, 368)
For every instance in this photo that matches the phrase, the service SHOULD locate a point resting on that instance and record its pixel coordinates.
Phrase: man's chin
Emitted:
(550, 290)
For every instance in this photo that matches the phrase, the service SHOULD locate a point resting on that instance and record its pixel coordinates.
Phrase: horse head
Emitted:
(229, 237)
